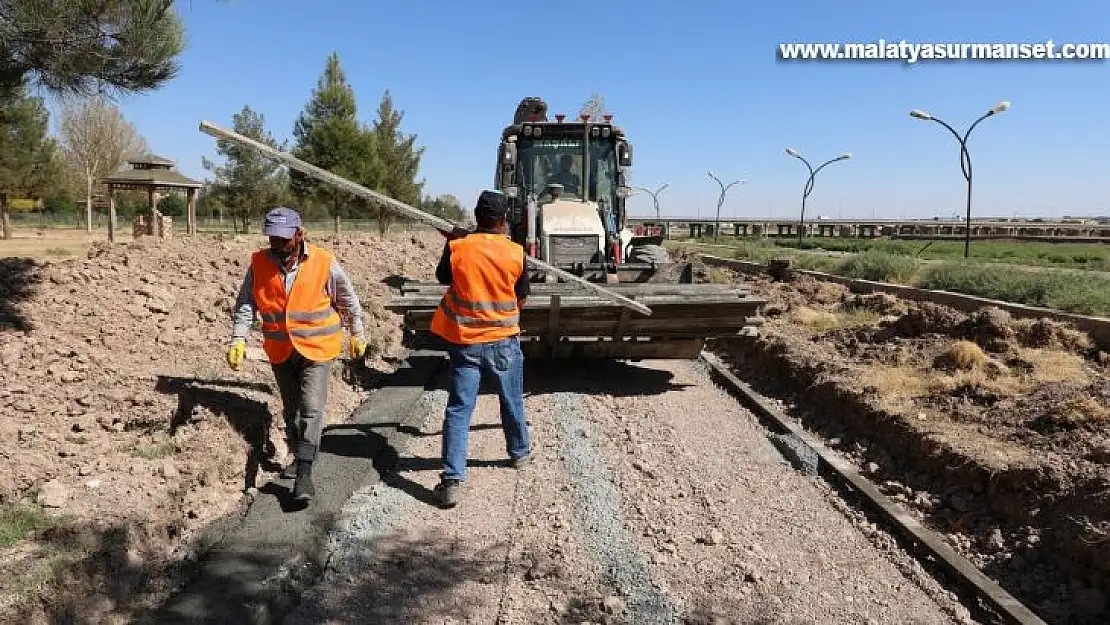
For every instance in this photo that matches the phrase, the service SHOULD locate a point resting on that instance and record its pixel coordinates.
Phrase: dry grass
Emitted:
(1051, 365)
(972, 369)
(54, 244)
(961, 356)
(825, 321)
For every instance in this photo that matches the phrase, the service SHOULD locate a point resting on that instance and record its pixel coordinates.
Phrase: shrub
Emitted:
(1082, 293)
(879, 266)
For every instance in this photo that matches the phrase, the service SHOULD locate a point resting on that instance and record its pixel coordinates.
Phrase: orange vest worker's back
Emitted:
(302, 319)
(480, 305)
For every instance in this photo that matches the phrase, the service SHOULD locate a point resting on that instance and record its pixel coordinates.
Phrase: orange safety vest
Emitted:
(303, 319)
(480, 305)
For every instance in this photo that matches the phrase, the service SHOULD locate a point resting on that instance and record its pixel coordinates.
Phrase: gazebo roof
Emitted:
(145, 178)
(151, 159)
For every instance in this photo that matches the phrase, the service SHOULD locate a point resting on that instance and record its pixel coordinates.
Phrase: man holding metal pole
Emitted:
(479, 319)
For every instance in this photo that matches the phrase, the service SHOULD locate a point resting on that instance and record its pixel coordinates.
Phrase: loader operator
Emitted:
(565, 176)
(479, 319)
(305, 299)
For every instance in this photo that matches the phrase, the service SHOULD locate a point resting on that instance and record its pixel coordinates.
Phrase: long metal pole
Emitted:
(400, 207)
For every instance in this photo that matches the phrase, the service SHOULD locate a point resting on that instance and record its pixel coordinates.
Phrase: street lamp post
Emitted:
(965, 158)
(809, 183)
(654, 197)
(721, 201)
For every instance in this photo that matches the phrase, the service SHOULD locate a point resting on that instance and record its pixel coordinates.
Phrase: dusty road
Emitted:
(653, 498)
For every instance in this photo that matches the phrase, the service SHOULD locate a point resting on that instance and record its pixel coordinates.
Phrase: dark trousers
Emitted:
(304, 397)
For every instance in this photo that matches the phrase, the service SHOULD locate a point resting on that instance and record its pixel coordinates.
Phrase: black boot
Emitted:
(303, 489)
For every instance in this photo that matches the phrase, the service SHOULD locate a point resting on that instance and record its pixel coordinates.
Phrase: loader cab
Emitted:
(583, 221)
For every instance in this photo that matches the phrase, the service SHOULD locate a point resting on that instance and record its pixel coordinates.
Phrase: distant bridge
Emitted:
(1077, 230)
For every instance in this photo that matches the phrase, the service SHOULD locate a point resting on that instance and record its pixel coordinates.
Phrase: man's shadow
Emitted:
(250, 418)
(365, 440)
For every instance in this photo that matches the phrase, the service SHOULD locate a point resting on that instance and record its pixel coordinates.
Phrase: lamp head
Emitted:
(1000, 107)
(845, 156)
(792, 152)
(920, 114)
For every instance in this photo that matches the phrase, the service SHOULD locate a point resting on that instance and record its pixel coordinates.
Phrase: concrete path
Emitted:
(254, 572)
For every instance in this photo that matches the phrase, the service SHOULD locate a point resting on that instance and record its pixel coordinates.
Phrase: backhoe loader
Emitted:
(566, 181)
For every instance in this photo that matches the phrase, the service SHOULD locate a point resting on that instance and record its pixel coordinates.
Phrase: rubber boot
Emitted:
(303, 489)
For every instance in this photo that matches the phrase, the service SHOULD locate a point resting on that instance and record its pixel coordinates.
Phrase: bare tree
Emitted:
(96, 141)
(594, 107)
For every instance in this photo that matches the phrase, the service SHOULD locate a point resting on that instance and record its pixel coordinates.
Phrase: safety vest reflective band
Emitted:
(480, 305)
(303, 319)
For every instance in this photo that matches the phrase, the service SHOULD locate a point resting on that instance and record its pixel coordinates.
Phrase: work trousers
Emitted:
(503, 361)
(304, 396)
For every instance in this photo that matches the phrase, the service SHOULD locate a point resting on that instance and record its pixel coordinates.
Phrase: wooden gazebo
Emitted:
(154, 175)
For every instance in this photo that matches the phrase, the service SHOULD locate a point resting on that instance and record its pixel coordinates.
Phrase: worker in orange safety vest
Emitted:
(305, 299)
(479, 319)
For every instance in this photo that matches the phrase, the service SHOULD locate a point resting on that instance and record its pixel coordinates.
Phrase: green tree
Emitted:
(446, 206)
(85, 47)
(173, 205)
(328, 135)
(29, 167)
(248, 183)
(61, 203)
(399, 159)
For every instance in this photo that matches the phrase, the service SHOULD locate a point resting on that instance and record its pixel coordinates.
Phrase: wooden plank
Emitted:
(624, 289)
(646, 327)
(925, 539)
(632, 350)
(553, 322)
(585, 301)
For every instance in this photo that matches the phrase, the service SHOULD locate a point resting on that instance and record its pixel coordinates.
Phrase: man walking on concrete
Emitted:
(479, 318)
(305, 299)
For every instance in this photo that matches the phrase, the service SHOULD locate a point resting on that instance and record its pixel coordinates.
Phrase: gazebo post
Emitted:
(191, 203)
(111, 213)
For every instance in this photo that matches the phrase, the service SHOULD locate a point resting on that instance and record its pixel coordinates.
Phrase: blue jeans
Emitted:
(504, 363)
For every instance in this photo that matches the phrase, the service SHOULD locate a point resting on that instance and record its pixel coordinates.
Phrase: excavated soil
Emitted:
(124, 432)
(992, 430)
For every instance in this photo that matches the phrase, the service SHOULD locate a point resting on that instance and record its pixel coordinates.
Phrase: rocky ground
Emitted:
(653, 498)
(992, 429)
(124, 432)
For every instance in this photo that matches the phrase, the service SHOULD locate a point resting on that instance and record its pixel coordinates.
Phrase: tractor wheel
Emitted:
(656, 254)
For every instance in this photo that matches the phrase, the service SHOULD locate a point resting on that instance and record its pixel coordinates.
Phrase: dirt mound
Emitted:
(1046, 333)
(120, 410)
(883, 304)
(922, 319)
(991, 328)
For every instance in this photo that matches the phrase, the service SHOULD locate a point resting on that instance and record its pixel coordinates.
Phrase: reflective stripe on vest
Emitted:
(480, 305)
(303, 319)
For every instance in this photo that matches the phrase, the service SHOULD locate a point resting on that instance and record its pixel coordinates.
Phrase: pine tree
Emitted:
(84, 47)
(249, 183)
(329, 136)
(29, 166)
(399, 158)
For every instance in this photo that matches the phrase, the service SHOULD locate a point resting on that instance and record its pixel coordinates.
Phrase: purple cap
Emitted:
(281, 222)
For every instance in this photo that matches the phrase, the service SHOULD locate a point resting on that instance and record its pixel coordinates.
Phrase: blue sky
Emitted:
(696, 87)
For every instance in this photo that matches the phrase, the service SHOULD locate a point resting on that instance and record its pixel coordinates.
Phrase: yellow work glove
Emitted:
(357, 347)
(235, 353)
